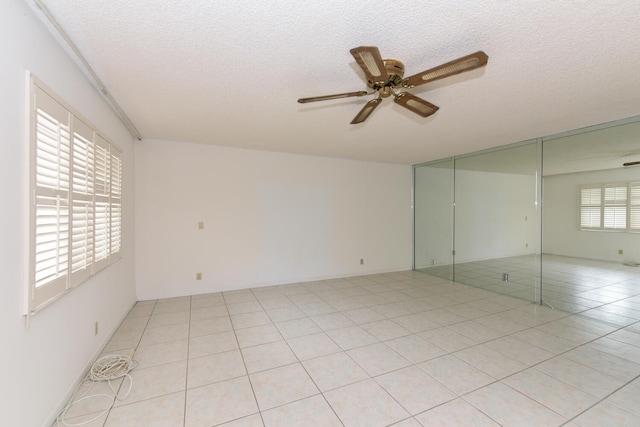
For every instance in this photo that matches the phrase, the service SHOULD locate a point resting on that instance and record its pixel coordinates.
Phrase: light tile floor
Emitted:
(597, 289)
(405, 349)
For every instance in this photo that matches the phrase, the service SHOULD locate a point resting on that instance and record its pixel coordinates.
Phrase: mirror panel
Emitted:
(496, 221)
(433, 218)
(584, 270)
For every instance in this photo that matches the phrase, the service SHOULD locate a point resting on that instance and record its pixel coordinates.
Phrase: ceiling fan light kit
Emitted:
(385, 76)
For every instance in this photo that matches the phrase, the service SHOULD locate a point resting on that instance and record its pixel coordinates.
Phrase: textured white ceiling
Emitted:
(229, 73)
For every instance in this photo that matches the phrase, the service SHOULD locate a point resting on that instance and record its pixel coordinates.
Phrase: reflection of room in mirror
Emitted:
(515, 212)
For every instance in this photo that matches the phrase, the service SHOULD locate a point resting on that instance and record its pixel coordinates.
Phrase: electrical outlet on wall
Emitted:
(95, 328)
(198, 276)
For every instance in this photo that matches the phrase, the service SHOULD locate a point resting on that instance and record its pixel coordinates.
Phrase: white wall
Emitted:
(561, 234)
(269, 218)
(42, 363)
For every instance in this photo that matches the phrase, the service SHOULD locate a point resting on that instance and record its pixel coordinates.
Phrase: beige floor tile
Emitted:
(250, 421)
(627, 336)
(153, 382)
(363, 315)
(416, 322)
(365, 404)
(519, 350)
(605, 362)
(617, 348)
(163, 411)
(297, 327)
(409, 422)
(556, 395)
(88, 420)
(257, 335)
(244, 307)
(282, 385)
(247, 320)
(448, 339)
(580, 376)
(219, 403)
(456, 413)
(607, 414)
(415, 390)
(351, 337)
(207, 301)
(205, 345)
(310, 412)
(312, 346)
(168, 305)
(282, 314)
(331, 321)
(208, 312)
(165, 334)
(216, 367)
(317, 308)
(378, 359)
(266, 356)
(169, 318)
(159, 354)
(511, 408)
(415, 349)
(386, 329)
(93, 398)
(476, 331)
(210, 326)
(490, 361)
(333, 371)
(456, 374)
(551, 343)
(627, 397)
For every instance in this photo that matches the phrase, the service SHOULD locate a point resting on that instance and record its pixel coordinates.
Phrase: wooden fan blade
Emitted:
(366, 111)
(415, 104)
(336, 96)
(457, 66)
(369, 59)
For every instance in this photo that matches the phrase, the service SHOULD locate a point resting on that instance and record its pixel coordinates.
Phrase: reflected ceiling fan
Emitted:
(386, 76)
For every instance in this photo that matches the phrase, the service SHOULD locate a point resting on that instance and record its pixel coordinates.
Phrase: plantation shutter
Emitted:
(590, 207)
(51, 191)
(76, 199)
(634, 206)
(101, 205)
(82, 184)
(615, 207)
(116, 204)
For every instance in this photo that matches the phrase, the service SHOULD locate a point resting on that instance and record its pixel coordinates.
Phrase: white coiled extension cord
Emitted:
(106, 368)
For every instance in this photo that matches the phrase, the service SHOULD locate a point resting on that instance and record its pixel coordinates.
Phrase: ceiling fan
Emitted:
(386, 76)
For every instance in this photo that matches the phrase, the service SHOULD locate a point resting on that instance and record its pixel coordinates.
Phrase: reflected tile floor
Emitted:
(403, 349)
(602, 290)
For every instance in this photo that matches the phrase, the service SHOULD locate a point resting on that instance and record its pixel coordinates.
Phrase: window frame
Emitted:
(616, 210)
(63, 194)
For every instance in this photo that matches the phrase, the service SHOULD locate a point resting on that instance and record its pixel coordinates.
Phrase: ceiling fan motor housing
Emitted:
(395, 72)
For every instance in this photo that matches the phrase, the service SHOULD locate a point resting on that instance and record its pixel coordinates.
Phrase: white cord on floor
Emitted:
(106, 368)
